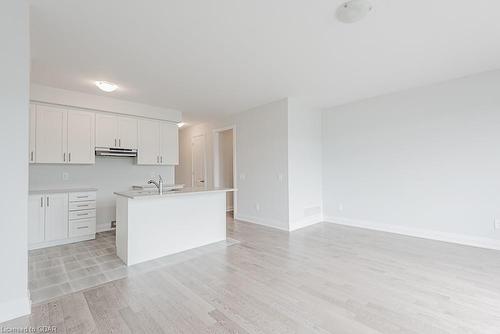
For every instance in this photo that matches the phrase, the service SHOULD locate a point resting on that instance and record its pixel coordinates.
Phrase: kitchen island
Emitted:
(150, 225)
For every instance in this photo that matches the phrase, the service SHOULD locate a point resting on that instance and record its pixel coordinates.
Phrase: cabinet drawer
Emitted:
(80, 197)
(81, 214)
(73, 206)
(81, 227)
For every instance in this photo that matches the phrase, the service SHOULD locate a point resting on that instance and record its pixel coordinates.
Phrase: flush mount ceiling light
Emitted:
(181, 124)
(353, 10)
(106, 86)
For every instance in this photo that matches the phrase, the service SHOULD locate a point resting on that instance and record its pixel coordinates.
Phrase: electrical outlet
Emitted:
(65, 176)
(341, 207)
(257, 207)
(496, 222)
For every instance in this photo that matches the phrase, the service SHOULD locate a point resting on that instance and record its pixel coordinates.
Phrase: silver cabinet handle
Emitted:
(82, 214)
(115, 142)
(31, 155)
(161, 158)
(64, 157)
(69, 156)
(82, 206)
(82, 196)
(82, 227)
(120, 142)
(41, 202)
(48, 201)
(157, 159)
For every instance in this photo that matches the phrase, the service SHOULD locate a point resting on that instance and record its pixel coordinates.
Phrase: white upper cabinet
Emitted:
(32, 151)
(116, 131)
(127, 132)
(56, 217)
(81, 148)
(148, 152)
(169, 144)
(158, 143)
(106, 134)
(62, 136)
(36, 221)
(50, 129)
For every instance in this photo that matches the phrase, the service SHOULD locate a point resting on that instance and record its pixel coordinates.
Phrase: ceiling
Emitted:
(209, 58)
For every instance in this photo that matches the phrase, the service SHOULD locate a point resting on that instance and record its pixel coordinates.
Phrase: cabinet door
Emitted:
(148, 152)
(127, 132)
(81, 149)
(51, 139)
(169, 144)
(32, 152)
(106, 134)
(56, 217)
(36, 219)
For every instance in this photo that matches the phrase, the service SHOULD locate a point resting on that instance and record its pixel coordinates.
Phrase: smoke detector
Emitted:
(353, 10)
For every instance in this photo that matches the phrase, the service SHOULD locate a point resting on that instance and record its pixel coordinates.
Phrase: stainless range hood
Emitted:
(115, 152)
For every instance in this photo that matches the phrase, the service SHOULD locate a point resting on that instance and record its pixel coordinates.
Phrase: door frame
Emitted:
(216, 164)
(204, 158)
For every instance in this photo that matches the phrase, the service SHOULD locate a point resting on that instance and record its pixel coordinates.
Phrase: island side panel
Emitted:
(167, 225)
(122, 228)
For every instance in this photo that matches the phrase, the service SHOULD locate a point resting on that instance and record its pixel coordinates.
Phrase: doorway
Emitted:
(225, 164)
(199, 161)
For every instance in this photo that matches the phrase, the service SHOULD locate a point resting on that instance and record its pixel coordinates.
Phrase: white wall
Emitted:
(424, 162)
(304, 165)
(261, 161)
(14, 85)
(107, 175)
(226, 164)
(41, 93)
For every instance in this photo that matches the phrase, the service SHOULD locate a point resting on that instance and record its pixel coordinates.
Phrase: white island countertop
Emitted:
(145, 194)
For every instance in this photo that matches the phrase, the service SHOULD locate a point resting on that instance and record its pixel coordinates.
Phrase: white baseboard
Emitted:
(16, 308)
(419, 233)
(308, 221)
(264, 222)
(61, 242)
(103, 228)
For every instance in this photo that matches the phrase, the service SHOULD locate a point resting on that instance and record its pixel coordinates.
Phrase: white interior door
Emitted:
(106, 131)
(169, 144)
(81, 148)
(127, 132)
(148, 151)
(199, 156)
(56, 217)
(32, 152)
(36, 219)
(51, 139)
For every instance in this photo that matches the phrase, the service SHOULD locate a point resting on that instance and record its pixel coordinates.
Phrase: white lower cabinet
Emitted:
(36, 219)
(56, 217)
(59, 218)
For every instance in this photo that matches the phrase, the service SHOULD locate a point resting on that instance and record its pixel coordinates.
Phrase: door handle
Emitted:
(202, 181)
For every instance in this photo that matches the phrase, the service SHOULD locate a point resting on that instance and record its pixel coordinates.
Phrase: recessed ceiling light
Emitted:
(106, 86)
(353, 10)
(181, 124)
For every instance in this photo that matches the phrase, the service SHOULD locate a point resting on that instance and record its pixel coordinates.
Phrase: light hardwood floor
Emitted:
(321, 279)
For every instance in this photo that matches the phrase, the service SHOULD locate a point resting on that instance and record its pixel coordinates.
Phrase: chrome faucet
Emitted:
(158, 184)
